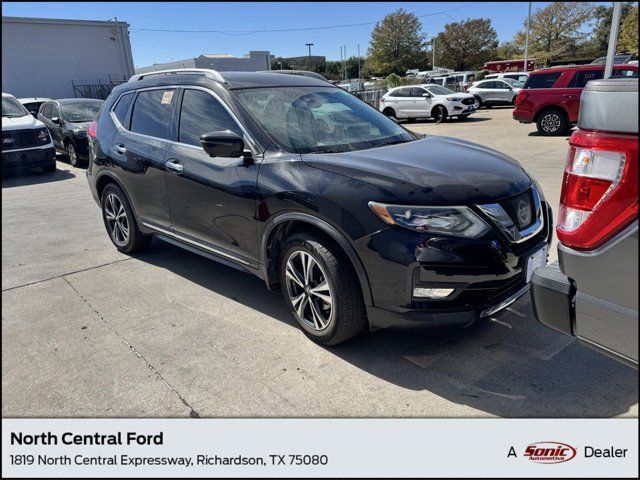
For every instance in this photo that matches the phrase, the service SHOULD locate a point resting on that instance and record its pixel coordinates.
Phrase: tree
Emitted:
(628, 37)
(397, 44)
(603, 16)
(556, 30)
(509, 51)
(466, 45)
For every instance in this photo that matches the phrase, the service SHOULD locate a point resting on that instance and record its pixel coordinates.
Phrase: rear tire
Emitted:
(321, 290)
(552, 122)
(120, 221)
(72, 155)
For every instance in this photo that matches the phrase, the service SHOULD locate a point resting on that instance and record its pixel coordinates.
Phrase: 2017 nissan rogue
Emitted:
(292, 179)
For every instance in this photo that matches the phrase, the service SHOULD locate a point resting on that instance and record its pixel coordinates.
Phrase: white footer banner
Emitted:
(275, 447)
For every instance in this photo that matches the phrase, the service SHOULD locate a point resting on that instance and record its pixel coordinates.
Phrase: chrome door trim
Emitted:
(201, 245)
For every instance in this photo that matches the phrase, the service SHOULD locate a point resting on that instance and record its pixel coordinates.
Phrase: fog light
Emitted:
(432, 292)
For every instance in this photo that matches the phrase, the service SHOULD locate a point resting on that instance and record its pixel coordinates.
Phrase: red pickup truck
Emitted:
(551, 96)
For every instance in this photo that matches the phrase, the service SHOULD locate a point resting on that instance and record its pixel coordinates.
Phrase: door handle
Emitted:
(119, 149)
(174, 166)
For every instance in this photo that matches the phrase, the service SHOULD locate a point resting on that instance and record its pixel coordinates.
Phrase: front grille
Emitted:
(20, 139)
(468, 101)
(521, 209)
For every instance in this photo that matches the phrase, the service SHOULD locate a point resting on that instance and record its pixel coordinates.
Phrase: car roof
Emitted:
(33, 99)
(77, 100)
(588, 66)
(229, 80)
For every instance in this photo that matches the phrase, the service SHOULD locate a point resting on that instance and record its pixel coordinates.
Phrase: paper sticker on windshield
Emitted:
(166, 97)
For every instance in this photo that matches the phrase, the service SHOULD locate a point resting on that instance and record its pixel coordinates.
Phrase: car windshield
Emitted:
(438, 90)
(12, 108)
(77, 112)
(320, 119)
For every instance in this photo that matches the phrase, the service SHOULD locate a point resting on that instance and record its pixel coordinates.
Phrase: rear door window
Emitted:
(487, 85)
(542, 80)
(402, 92)
(417, 92)
(581, 77)
(153, 112)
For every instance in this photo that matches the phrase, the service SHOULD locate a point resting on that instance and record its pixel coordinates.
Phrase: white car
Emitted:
(431, 101)
(26, 142)
(33, 104)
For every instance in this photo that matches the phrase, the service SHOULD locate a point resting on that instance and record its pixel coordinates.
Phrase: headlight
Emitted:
(43, 135)
(457, 221)
(454, 99)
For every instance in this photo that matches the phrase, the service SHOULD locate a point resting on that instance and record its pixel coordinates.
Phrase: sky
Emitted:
(236, 19)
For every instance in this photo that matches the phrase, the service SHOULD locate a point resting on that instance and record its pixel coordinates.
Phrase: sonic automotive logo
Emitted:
(550, 452)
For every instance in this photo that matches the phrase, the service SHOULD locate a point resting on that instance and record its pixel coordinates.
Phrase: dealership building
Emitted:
(251, 62)
(43, 57)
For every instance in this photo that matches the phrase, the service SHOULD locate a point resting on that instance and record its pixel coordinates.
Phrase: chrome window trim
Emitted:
(502, 219)
(252, 143)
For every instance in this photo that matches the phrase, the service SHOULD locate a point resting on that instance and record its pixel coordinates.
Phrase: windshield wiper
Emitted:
(393, 142)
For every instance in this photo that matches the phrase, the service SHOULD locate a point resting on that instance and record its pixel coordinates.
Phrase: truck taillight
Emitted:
(92, 131)
(599, 195)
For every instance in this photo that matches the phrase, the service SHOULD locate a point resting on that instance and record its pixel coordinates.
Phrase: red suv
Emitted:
(551, 96)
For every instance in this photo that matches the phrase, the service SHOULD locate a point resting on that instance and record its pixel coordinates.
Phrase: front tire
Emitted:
(321, 290)
(439, 114)
(552, 122)
(120, 222)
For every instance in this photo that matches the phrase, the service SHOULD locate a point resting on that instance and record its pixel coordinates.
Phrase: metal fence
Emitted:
(372, 97)
(97, 90)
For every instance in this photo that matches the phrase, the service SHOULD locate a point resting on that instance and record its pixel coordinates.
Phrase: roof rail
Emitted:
(212, 74)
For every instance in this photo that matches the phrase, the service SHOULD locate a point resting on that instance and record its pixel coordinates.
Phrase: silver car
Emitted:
(592, 293)
(495, 92)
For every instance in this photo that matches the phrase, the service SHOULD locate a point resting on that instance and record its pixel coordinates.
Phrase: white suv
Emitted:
(431, 101)
(26, 142)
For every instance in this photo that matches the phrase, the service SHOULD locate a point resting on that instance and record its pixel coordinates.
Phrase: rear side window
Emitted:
(542, 80)
(202, 113)
(152, 113)
(122, 107)
(581, 77)
(624, 72)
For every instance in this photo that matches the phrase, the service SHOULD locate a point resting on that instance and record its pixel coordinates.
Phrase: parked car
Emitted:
(489, 93)
(592, 293)
(33, 104)
(358, 220)
(426, 101)
(617, 59)
(67, 120)
(551, 96)
(464, 79)
(26, 142)
(518, 76)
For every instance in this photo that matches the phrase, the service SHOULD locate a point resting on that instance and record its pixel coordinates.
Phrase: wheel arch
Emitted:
(286, 224)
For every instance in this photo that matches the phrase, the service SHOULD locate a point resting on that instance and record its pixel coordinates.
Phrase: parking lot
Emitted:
(90, 332)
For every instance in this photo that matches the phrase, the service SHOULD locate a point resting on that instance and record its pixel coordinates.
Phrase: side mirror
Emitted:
(426, 94)
(222, 144)
(56, 120)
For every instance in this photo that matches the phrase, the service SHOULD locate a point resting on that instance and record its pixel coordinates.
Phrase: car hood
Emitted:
(434, 170)
(20, 123)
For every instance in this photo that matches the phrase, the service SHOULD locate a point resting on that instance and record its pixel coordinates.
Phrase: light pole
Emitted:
(433, 53)
(358, 60)
(526, 41)
(309, 45)
(613, 40)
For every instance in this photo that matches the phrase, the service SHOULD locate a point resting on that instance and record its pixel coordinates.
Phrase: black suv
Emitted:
(358, 220)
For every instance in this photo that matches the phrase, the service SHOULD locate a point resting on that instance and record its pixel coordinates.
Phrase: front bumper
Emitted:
(486, 274)
(30, 157)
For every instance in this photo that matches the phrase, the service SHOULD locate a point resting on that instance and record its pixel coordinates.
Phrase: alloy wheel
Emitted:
(550, 122)
(309, 290)
(117, 221)
(72, 155)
